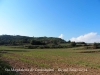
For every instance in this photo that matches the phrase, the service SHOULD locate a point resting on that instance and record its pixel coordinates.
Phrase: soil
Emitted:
(56, 68)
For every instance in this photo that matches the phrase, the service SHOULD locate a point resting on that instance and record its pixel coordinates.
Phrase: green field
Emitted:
(53, 58)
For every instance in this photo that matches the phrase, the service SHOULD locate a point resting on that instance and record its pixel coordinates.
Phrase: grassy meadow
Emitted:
(51, 58)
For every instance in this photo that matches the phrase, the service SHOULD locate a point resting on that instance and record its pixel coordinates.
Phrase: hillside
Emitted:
(21, 40)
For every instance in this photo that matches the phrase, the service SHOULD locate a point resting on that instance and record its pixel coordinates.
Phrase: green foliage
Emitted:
(35, 42)
(44, 46)
(42, 42)
(23, 40)
(73, 44)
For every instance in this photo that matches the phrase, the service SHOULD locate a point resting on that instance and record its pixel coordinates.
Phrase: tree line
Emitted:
(42, 42)
(22, 40)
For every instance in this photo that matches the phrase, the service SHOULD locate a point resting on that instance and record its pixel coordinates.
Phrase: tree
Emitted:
(73, 44)
(95, 45)
(69, 41)
(35, 42)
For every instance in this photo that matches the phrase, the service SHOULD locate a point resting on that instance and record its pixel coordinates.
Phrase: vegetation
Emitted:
(49, 52)
(42, 42)
(52, 58)
(3, 66)
(18, 40)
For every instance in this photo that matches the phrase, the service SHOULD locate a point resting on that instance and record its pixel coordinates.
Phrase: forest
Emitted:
(42, 42)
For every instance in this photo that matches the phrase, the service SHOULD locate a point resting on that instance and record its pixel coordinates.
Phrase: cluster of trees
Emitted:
(34, 42)
(13, 40)
(93, 46)
(42, 42)
(22, 40)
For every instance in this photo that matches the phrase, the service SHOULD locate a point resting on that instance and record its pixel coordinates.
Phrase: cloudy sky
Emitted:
(75, 20)
(89, 38)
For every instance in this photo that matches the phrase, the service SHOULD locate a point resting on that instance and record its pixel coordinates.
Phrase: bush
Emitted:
(44, 46)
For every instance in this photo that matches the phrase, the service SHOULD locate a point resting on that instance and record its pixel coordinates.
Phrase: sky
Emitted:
(75, 20)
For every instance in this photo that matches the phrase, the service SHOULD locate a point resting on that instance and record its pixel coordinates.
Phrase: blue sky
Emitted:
(68, 18)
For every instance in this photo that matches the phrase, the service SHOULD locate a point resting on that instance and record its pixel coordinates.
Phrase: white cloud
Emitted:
(89, 38)
(61, 36)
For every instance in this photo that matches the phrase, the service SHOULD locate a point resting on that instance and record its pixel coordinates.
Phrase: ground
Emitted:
(69, 61)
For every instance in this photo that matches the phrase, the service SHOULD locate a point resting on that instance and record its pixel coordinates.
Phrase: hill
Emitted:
(22, 40)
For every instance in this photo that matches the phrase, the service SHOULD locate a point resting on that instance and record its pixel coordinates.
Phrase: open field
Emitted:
(69, 61)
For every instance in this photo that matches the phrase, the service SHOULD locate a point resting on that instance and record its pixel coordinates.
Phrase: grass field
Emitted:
(69, 61)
